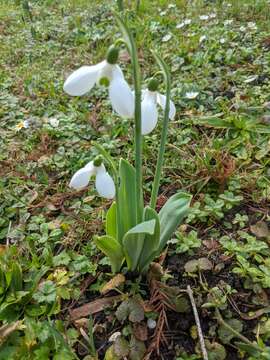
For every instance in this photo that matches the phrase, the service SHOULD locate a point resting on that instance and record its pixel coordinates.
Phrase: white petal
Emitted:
(105, 185)
(82, 80)
(80, 179)
(149, 112)
(161, 99)
(121, 96)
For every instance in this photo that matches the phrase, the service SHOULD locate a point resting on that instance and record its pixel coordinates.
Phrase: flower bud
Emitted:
(112, 55)
(152, 84)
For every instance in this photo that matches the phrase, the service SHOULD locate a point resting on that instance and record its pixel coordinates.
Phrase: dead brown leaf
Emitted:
(93, 307)
(140, 331)
(114, 283)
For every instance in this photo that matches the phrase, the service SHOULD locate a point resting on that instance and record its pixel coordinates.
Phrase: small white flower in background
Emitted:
(228, 22)
(229, 5)
(250, 79)
(22, 125)
(162, 13)
(150, 98)
(104, 182)
(204, 17)
(202, 38)
(192, 95)
(182, 24)
(252, 25)
(166, 37)
(151, 323)
(213, 16)
(104, 73)
(222, 41)
(171, 6)
(242, 28)
(54, 122)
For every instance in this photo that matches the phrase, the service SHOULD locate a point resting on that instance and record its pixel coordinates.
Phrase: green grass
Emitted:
(218, 150)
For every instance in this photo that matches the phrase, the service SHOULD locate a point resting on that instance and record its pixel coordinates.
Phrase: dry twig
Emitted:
(197, 320)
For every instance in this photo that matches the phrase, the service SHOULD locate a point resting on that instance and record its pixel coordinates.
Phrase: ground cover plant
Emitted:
(58, 296)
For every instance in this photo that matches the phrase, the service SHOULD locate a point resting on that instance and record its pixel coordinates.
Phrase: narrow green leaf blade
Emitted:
(126, 198)
(133, 242)
(171, 215)
(111, 248)
(111, 221)
(151, 242)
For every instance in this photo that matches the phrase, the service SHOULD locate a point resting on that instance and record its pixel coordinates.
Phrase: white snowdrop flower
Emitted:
(222, 41)
(163, 13)
(204, 17)
(104, 73)
(54, 122)
(252, 25)
(151, 323)
(171, 6)
(150, 98)
(192, 95)
(250, 79)
(202, 38)
(229, 5)
(228, 22)
(104, 182)
(212, 15)
(166, 37)
(182, 24)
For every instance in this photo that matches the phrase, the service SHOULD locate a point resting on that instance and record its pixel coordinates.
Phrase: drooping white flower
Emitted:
(192, 95)
(251, 25)
(228, 22)
(54, 122)
(150, 99)
(166, 38)
(104, 182)
(202, 38)
(182, 24)
(204, 17)
(107, 73)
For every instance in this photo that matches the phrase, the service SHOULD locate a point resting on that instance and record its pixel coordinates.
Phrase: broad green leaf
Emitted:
(151, 242)
(126, 199)
(111, 221)
(133, 242)
(171, 215)
(111, 248)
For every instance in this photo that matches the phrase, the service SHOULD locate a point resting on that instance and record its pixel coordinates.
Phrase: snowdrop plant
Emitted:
(135, 233)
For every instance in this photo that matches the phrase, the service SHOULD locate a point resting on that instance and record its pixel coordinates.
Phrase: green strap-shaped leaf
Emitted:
(133, 242)
(171, 215)
(111, 221)
(126, 199)
(151, 242)
(16, 281)
(111, 248)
